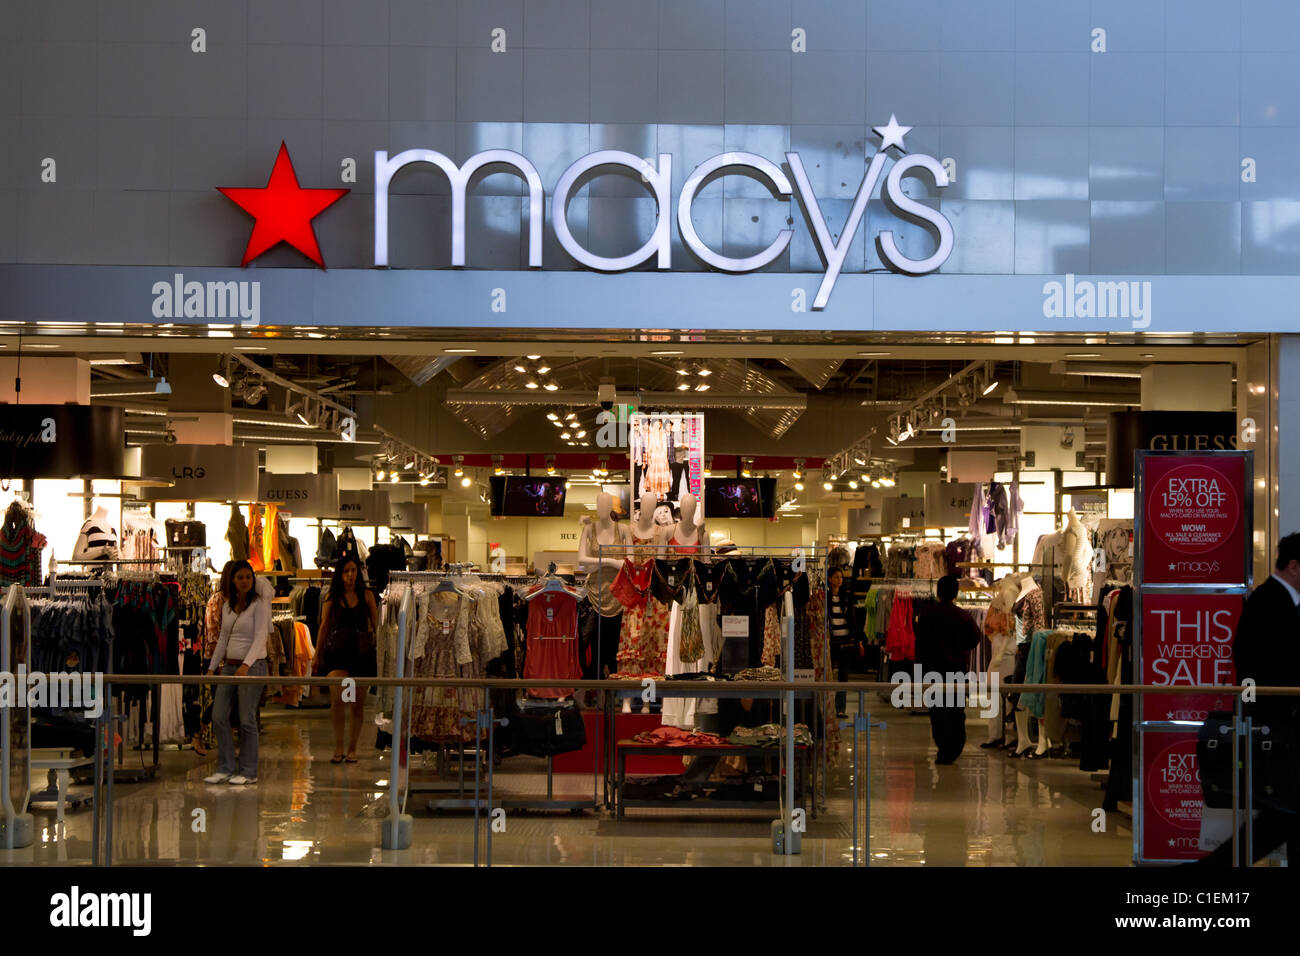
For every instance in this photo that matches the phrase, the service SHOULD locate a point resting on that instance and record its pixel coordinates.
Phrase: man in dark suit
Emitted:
(1266, 649)
(945, 635)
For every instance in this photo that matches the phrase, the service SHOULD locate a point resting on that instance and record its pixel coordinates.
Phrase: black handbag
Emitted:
(1275, 755)
(546, 731)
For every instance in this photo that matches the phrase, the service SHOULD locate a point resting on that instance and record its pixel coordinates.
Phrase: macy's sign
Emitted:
(658, 179)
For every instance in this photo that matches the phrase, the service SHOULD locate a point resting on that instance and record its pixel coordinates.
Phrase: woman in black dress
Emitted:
(347, 648)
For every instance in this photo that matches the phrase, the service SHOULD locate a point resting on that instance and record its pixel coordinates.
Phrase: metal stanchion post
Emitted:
(1236, 780)
(108, 777)
(491, 759)
(97, 796)
(1250, 792)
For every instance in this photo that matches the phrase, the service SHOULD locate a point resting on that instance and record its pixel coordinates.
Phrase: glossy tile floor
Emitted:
(986, 810)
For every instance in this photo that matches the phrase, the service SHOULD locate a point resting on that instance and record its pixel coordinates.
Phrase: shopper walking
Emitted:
(846, 643)
(241, 651)
(1266, 649)
(945, 635)
(347, 648)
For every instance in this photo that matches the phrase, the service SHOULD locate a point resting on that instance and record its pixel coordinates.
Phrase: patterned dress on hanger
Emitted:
(658, 475)
(771, 635)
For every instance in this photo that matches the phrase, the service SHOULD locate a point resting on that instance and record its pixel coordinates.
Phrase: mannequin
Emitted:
(645, 533)
(687, 535)
(1077, 564)
(97, 540)
(602, 546)
(1033, 620)
(1000, 626)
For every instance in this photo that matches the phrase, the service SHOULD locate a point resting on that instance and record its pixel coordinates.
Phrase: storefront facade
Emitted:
(1076, 186)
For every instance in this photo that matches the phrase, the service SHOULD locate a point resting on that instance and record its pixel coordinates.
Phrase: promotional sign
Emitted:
(1187, 639)
(306, 496)
(62, 441)
(1193, 527)
(1193, 512)
(201, 472)
(666, 458)
(1171, 798)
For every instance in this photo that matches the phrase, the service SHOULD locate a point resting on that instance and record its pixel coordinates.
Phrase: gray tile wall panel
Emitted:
(1138, 148)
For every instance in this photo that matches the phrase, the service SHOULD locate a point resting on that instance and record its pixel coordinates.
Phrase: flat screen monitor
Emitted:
(515, 496)
(739, 498)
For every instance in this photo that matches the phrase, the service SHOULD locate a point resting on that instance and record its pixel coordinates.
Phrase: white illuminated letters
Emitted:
(658, 179)
(774, 178)
(661, 183)
(458, 177)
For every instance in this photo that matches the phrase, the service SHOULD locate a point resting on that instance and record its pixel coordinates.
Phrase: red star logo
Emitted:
(283, 210)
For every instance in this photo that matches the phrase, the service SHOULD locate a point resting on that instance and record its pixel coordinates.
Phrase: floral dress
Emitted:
(643, 640)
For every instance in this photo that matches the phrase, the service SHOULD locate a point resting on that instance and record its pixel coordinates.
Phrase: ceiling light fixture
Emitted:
(702, 387)
(853, 484)
(827, 485)
(543, 369)
(684, 387)
(520, 369)
(466, 481)
(704, 372)
(393, 478)
(222, 374)
(550, 386)
(530, 384)
(497, 465)
(459, 461)
(459, 351)
(533, 358)
(552, 416)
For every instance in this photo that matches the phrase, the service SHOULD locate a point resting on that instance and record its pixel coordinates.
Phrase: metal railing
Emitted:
(862, 725)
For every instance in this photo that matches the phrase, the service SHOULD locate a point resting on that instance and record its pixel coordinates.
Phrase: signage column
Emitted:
(1193, 526)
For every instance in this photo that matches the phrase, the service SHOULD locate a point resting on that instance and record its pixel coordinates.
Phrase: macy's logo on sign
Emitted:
(1194, 567)
(283, 210)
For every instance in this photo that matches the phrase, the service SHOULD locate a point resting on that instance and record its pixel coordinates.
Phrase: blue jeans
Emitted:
(248, 697)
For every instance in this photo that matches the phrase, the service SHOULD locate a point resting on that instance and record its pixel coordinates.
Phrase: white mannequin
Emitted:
(1002, 657)
(1077, 563)
(687, 532)
(604, 532)
(645, 531)
(1023, 716)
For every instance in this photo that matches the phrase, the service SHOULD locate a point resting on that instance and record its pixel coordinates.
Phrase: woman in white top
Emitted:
(241, 650)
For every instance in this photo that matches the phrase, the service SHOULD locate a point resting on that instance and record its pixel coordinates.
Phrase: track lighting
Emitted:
(520, 369)
(530, 384)
(222, 374)
(552, 416)
(393, 478)
(543, 369)
(702, 387)
(550, 386)
(533, 358)
(466, 481)
(460, 465)
(497, 465)
(798, 486)
(380, 474)
(827, 485)
(410, 463)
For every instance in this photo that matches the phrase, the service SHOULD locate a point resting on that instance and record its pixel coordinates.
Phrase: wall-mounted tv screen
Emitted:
(739, 498)
(516, 496)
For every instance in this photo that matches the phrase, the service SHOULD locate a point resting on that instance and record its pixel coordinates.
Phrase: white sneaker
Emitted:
(217, 777)
(240, 780)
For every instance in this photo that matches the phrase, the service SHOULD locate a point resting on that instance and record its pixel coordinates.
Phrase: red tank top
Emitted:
(552, 642)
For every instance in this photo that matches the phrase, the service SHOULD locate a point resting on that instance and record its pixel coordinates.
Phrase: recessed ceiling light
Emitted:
(668, 352)
(874, 354)
(565, 435)
(520, 369)
(684, 387)
(702, 387)
(582, 434)
(530, 385)
(1082, 355)
(550, 386)
(244, 348)
(552, 416)
(459, 351)
(532, 358)
(827, 485)
(543, 369)
(683, 371)
(466, 481)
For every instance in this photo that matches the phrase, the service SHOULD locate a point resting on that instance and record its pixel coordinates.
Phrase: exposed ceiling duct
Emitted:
(421, 369)
(817, 372)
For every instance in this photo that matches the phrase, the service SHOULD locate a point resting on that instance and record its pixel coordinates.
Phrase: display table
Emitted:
(632, 748)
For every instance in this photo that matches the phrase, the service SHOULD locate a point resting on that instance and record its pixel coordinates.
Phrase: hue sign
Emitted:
(201, 472)
(306, 496)
(62, 441)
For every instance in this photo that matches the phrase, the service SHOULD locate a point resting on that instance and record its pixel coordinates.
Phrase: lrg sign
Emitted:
(658, 180)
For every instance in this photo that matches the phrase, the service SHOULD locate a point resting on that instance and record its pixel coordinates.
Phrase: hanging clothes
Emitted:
(237, 535)
(256, 543)
(20, 547)
(552, 641)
